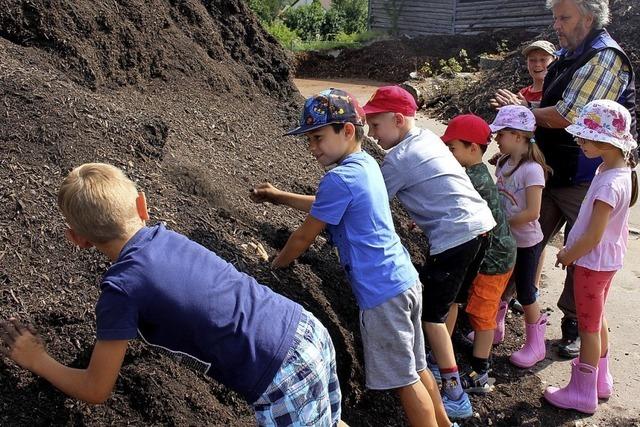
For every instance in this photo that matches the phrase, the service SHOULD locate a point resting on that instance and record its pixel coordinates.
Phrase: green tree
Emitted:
(268, 10)
(353, 15)
(306, 20)
(394, 9)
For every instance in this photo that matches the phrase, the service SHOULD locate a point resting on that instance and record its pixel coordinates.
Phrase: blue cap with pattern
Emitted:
(328, 107)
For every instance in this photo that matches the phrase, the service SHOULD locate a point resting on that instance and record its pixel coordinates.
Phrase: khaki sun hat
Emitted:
(542, 45)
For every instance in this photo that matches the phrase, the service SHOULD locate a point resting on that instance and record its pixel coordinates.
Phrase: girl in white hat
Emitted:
(596, 247)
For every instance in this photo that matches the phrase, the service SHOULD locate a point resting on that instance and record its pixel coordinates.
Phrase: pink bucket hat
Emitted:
(604, 121)
(515, 117)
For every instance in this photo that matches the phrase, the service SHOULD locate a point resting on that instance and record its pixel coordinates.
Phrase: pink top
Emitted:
(613, 187)
(514, 199)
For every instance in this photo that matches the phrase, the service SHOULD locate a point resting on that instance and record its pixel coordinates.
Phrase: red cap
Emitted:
(469, 128)
(391, 99)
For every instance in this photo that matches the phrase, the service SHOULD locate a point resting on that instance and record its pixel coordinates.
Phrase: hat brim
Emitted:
(370, 109)
(527, 50)
(304, 129)
(496, 128)
(626, 143)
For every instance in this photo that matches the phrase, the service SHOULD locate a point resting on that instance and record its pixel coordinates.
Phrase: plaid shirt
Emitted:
(605, 76)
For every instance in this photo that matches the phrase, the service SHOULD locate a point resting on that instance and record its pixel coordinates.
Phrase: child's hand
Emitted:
(494, 159)
(264, 192)
(277, 263)
(20, 343)
(562, 259)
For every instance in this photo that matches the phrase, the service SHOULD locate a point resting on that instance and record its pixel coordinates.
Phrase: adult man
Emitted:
(590, 65)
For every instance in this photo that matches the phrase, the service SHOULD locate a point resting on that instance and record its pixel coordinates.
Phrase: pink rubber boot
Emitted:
(534, 349)
(498, 336)
(581, 393)
(605, 380)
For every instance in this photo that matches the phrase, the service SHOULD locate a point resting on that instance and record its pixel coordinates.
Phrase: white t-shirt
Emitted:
(435, 190)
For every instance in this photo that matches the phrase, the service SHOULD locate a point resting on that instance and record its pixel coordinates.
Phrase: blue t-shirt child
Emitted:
(352, 199)
(186, 301)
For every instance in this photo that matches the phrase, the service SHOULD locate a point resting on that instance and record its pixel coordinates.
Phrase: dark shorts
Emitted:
(524, 273)
(448, 276)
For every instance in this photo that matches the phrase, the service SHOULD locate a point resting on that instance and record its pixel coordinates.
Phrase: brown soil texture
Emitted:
(190, 98)
(512, 73)
(393, 60)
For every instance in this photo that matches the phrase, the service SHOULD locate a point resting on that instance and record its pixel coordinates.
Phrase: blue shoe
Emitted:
(457, 409)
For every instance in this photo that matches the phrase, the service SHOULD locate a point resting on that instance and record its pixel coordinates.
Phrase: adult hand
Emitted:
(20, 343)
(505, 97)
(264, 192)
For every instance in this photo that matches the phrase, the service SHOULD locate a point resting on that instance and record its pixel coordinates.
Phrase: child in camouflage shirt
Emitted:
(468, 137)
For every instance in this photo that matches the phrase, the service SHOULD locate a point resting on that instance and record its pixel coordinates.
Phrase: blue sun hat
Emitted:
(328, 107)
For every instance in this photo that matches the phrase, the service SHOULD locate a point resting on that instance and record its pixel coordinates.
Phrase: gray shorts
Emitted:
(393, 341)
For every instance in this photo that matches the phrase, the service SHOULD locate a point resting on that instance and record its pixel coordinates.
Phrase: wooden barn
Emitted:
(456, 16)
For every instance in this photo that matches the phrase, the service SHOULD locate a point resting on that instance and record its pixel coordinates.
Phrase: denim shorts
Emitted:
(305, 391)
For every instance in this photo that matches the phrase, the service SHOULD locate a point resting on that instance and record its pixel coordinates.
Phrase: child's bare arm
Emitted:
(591, 237)
(532, 211)
(93, 385)
(299, 241)
(268, 193)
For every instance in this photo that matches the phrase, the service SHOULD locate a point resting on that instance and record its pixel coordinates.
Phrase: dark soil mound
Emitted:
(393, 60)
(512, 74)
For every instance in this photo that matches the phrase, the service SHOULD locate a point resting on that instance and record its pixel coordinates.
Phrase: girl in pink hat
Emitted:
(521, 173)
(596, 247)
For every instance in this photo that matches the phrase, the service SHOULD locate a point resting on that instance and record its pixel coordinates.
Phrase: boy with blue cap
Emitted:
(352, 204)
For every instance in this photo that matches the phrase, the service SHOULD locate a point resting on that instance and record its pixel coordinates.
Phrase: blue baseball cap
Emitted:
(328, 107)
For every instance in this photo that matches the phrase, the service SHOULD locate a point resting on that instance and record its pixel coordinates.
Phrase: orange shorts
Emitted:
(484, 299)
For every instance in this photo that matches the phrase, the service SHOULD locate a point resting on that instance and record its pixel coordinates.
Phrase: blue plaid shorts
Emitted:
(305, 391)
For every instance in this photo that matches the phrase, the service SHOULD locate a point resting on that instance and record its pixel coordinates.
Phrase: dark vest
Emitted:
(570, 166)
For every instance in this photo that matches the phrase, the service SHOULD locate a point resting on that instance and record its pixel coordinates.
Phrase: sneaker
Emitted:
(569, 346)
(473, 382)
(457, 409)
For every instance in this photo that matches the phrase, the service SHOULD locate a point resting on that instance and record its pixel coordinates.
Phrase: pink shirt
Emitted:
(514, 199)
(613, 187)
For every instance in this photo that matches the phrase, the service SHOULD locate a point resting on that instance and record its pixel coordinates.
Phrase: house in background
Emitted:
(326, 4)
(457, 16)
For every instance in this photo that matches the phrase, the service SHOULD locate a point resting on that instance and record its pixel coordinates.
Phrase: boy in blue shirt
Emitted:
(188, 303)
(351, 202)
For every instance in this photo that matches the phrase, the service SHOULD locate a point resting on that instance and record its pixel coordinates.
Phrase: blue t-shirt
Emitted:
(192, 305)
(352, 200)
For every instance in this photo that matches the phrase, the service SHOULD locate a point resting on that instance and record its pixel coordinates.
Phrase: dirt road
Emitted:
(622, 306)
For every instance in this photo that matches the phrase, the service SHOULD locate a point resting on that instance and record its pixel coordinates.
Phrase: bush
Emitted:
(283, 34)
(306, 20)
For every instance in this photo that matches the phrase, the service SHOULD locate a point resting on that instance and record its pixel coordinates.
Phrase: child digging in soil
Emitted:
(596, 247)
(468, 137)
(521, 173)
(437, 193)
(352, 204)
(187, 302)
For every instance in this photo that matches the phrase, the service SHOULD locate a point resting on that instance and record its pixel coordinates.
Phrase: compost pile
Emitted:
(190, 98)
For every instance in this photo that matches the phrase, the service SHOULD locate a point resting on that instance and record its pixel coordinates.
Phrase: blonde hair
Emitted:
(99, 202)
(533, 154)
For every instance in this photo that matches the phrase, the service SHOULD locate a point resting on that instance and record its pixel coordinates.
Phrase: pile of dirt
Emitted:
(512, 73)
(393, 60)
(190, 98)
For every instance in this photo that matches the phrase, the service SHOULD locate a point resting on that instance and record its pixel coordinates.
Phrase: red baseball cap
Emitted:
(391, 99)
(469, 128)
